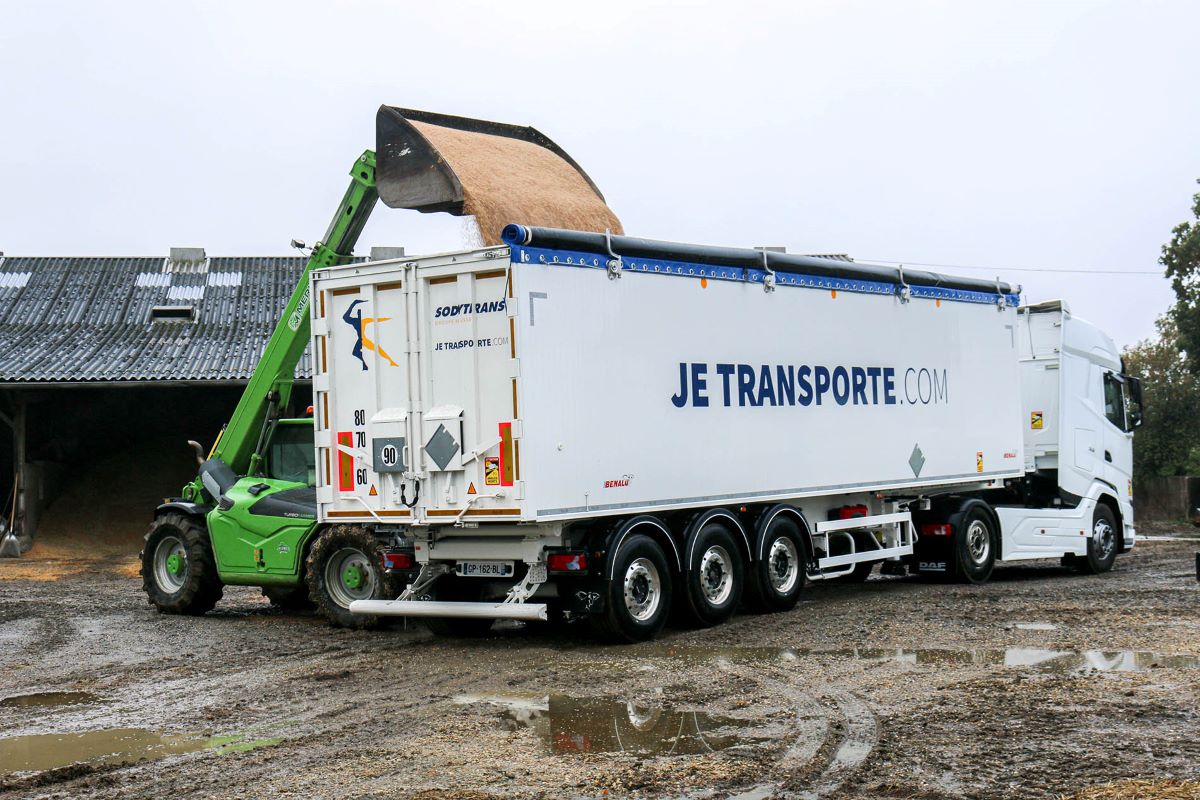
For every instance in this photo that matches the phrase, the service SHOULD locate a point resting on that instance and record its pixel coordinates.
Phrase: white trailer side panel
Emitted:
(884, 394)
(566, 394)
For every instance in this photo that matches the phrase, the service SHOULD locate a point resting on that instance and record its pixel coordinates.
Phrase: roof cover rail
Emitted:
(173, 314)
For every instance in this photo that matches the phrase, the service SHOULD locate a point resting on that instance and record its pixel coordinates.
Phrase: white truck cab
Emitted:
(1079, 413)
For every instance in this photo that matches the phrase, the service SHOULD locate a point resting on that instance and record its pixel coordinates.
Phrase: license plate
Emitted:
(485, 569)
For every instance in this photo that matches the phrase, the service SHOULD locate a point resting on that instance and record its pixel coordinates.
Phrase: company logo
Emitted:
(463, 309)
(805, 385)
(355, 319)
(618, 483)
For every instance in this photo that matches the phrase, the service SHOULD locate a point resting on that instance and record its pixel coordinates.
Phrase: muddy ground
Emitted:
(1037, 685)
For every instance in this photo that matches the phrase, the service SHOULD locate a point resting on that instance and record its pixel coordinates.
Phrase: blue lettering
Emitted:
(873, 373)
(725, 370)
(745, 374)
(785, 385)
(889, 386)
(821, 376)
(859, 381)
(766, 389)
(699, 385)
(806, 393)
(679, 399)
(841, 385)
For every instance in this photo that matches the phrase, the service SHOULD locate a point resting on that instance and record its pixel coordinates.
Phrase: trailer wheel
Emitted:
(638, 593)
(778, 578)
(1101, 545)
(713, 580)
(975, 544)
(179, 573)
(288, 598)
(345, 563)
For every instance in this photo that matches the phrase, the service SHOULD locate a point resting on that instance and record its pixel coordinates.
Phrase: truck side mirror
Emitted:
(1135, 401)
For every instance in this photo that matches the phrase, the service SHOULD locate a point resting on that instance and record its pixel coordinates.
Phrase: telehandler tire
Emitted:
(345, 563)
(179, 573)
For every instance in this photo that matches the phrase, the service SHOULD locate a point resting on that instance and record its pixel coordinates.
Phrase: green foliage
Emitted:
(1168, 443)
(1181, 257)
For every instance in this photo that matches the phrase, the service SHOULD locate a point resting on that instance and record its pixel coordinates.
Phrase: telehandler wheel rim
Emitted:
(979, 542)
(349, 577)
(783, 565)
(1104, 538)
(643, 589)
(716, 575)
(170, 564)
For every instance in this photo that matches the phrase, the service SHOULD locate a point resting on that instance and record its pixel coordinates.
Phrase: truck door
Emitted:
(1116, 461)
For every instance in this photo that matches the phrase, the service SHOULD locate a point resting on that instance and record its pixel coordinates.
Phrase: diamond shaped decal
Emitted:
(916, 460)
(441, 447)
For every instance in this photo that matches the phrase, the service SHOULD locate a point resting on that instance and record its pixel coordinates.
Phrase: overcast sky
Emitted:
(1005, 135)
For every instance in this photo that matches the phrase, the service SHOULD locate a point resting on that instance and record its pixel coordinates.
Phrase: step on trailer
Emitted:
(585, 425)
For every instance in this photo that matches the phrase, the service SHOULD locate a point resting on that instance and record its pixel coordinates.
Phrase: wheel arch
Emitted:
(1106, 498)
(697, 523)
(953, 508)
(649, 525)
(764, 521)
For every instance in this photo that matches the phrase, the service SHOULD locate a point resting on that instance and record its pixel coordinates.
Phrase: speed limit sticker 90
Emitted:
(389, 454)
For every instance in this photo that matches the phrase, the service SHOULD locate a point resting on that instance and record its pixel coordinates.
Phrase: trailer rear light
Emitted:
(566, 562)
(850, 512)
(397, 561)
(936, 529)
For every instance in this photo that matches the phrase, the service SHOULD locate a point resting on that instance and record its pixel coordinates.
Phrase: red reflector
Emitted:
(936, 529)
(397, 561)
(851, 512)
(566, 562)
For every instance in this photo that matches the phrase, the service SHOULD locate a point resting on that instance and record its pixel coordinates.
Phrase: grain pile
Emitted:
(508, 180)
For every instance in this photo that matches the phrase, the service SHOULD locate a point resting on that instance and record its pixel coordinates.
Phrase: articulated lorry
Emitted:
(580, 425)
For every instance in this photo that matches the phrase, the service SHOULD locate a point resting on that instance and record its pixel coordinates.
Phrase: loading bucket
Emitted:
(412, 172)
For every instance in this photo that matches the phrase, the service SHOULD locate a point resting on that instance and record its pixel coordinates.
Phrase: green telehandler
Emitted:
(250, 516)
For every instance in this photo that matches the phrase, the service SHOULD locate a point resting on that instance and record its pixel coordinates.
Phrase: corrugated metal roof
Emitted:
(89, 319)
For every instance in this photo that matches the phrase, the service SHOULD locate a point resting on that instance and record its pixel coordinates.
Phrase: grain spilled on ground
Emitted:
(508, 180)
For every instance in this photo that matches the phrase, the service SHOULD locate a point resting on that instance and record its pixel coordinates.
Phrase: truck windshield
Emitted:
(292, 456)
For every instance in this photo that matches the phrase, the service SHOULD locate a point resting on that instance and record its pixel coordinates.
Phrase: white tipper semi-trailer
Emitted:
(582, 425)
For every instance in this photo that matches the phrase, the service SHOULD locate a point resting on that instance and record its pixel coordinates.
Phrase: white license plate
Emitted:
(485, 569)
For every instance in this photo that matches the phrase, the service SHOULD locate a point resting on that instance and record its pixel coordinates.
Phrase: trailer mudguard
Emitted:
(726, 517)
(763, 524)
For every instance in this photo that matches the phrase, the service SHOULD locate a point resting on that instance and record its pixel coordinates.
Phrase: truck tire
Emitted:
(638, 596)
(289, 598)
(713, 578)
(975, 545)
(1101, 545)
(345, 563)
(778, 577)
(179, 573)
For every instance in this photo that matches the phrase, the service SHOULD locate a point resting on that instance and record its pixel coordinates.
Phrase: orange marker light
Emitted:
(704, 283)
(833, 293)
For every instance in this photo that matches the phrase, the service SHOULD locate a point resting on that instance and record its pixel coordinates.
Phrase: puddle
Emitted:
(601, 725)
(112, 746)
(1034, 658)
(48, 699)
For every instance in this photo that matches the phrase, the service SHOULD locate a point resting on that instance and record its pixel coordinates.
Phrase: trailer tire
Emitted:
(778, 576)
(345, 563)
(638, 593)
(289, 598)
(179, 573)
(975, 545)
(1101, 545)
(713, 577)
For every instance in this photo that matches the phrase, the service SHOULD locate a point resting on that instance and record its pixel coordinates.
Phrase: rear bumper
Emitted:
(445, 609)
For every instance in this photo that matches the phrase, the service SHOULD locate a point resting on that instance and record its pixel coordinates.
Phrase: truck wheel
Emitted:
(712, 584)
(778, 578)
(179, 573)
(638, 596)
(289, 598)
(1102, 544)
(975, 544)
(345, 564)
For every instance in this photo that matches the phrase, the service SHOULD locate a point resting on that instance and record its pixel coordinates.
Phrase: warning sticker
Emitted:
(471, 489)
(373, 492)
(1035, 420)
(979, 461)
(491, 471)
